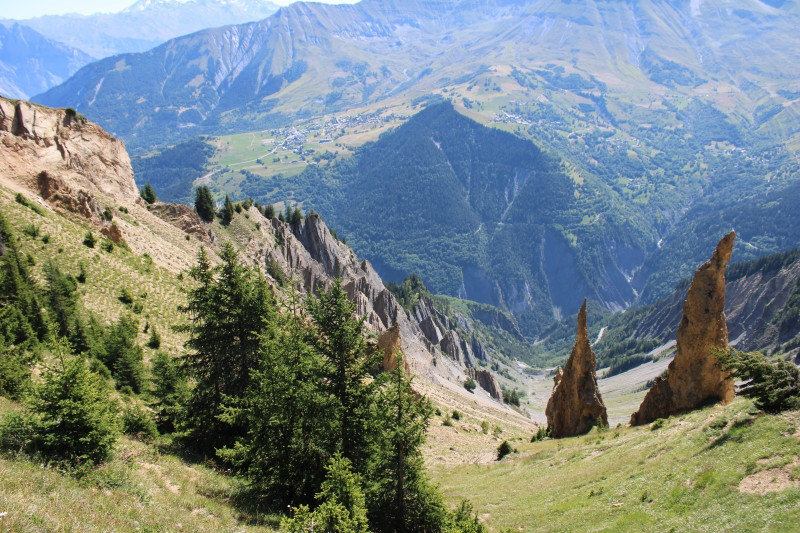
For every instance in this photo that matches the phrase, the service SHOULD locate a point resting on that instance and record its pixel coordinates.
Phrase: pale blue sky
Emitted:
(24, 9)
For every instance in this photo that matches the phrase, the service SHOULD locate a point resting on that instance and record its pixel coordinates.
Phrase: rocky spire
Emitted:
(576, 404)
(695, 377)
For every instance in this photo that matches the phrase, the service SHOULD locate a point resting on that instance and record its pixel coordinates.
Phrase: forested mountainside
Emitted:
(144, 24)
(762, 311)
(480, 214)
(30, 63)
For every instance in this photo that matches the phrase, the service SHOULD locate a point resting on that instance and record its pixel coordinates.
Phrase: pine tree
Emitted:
(170, 391)
(286, 447)
(347, 361)
(341, 505)
(400, 496)
(71, 417)
(773, 386)
(269, 211)
(226, 309)
(204, 203)
(148, 194)
(227, 210)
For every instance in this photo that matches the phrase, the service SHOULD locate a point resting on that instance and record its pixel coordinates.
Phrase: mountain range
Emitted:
(145, 24)
(31, 63)
(633, 132)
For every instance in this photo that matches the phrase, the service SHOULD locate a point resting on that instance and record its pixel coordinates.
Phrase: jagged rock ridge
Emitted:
(576, 404)
(694, 376)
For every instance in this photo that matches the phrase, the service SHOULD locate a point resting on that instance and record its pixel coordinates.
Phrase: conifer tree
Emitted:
(71, 417)
(226, 309)
(400, 496)
(227, 210)
(148, 194)
(269, 211)
(204, 203)
(346, 363)
(286, 447)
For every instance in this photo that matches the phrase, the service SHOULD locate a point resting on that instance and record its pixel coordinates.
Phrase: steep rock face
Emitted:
(576, 403)
(308, 254)
(694, 376)
(80, 154)
(486, 381)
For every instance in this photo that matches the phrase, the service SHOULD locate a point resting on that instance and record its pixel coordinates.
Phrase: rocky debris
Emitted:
(59, 194)
(113, 232)
(82, 155)
(486, 380)
(694, 376)
(185, 218)
(576, 404)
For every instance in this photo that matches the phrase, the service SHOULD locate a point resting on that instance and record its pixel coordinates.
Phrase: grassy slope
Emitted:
(683, 477)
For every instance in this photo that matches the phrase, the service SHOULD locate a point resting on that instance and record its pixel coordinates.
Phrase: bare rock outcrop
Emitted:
(694, 376)
(486, 380)
(390, 343)
(185, 218)
(576, 404)
(81, 154)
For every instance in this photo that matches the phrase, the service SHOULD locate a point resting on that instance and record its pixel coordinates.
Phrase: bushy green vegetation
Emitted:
(774, 386)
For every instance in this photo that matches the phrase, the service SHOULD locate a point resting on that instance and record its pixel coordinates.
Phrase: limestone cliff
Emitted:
(694, 377)
(576, 404)
(78, 153)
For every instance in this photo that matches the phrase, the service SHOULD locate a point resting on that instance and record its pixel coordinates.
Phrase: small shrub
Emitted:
(456, 415)
(447, 422)
(155, 339)
(503, 450)
(108, 215)
(31, 230)
(81, 277)
(89, 239)
(541, 434)
(658, 424)
(470, 384)
(138, 422)
(46, 238)
(107, 246)
(125, 296)
(484, 427)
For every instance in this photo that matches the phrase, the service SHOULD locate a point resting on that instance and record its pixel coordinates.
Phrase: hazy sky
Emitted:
(23, 9)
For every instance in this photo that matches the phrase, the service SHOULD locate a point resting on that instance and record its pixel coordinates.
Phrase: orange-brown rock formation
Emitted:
(695, 377)
(576, 404)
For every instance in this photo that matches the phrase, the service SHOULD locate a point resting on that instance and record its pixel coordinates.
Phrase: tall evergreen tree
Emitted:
(346, 363)
(400, 496)
(227, 308)
(204, 203)
(148, 194)
(288, 440)
(227, 210)
(269, 211)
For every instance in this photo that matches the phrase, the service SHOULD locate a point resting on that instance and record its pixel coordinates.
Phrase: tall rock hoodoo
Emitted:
(576, 404)
(695, 377)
